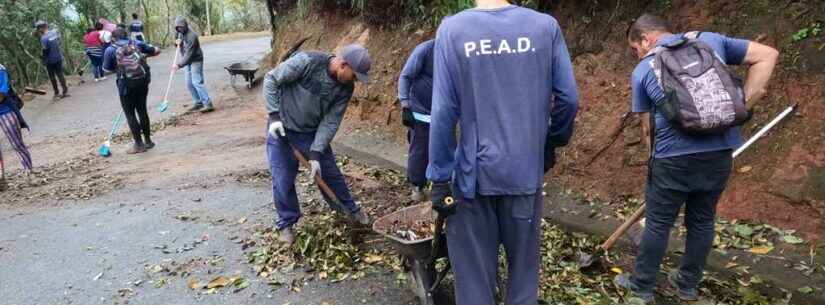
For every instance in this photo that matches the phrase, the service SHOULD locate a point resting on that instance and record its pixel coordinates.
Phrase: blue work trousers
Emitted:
(697, 181)
(419, 138)
(474, 234)
(284, 168)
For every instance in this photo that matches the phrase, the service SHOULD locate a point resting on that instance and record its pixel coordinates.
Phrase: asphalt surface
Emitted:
(179, 205)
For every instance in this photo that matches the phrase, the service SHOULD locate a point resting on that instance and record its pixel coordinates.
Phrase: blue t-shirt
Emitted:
(415, 85)
(136, 26)
(5, 105)
(501, 74)
(669, 140)
(110, 59)
(50, 41)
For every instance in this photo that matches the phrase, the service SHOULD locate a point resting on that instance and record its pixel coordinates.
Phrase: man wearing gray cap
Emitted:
(306, 97)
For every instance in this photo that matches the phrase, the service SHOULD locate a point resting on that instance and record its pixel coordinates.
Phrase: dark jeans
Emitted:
(697, 181)
(56, 72)
(419, 138)
(134, 106)
(97, 65)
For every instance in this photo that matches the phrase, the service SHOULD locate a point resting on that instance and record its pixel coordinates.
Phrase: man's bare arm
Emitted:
(762, 60)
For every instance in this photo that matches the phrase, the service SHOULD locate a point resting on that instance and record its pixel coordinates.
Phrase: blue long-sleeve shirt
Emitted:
(5, 105)
(415, 85)
(500, 73)
(50, 42)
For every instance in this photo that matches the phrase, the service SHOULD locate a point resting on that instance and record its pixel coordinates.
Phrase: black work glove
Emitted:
(549, 156)
(407, 117)
(441, 191)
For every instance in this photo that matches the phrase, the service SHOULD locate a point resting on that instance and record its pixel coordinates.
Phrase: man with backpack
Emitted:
(306, 97)
(52, 57)
(11, 123)
(415, 92)
(127, 58)
(502, 72)
(191, 57)
(694, 104)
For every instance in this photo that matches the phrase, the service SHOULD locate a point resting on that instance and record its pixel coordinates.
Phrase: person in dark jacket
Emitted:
(11, 122)
(132, 92)
(306, 97)
(415, 92)
(191, 57)
(136, 28)
(52, 57)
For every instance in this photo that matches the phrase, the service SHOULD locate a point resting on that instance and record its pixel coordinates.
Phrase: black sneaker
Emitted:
(688, 295)
(149, 145)
(195, 107)
(207, 109)
(136, 149)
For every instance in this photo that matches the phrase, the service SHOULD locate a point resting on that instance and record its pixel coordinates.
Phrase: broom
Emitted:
(165, 104)
(104, 150)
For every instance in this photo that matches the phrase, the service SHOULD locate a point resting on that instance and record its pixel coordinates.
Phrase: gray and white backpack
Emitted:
(702, 95)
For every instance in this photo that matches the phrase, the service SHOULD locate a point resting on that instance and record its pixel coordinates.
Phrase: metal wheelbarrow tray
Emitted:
(418, 256)
(245, 69)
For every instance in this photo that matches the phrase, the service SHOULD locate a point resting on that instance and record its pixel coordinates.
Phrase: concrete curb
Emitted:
(574, 217)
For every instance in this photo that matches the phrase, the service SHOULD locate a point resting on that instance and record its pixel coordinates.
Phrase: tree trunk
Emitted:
(273, 23)
(146, 31)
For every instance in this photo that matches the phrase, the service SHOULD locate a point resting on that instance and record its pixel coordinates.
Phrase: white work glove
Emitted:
(315, 168)
(276, 129)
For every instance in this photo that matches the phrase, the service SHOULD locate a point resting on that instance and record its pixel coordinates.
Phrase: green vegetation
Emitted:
(20, 48)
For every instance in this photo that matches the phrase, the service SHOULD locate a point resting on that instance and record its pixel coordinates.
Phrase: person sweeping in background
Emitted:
(306, 98)
(191, 57)
(136, 28)
(12, 123)
(94, 50)
(415, 92)
(128, 59)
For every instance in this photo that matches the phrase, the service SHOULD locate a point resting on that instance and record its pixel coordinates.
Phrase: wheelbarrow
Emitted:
(418, 256)
(245, 69)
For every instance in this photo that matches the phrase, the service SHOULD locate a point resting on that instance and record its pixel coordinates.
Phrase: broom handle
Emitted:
(115, 124)
(623, 228)
(171, 74)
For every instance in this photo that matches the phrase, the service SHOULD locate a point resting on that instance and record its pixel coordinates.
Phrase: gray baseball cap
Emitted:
(359, 59)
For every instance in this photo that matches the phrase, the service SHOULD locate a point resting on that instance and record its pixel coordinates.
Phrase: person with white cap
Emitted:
(306, 97)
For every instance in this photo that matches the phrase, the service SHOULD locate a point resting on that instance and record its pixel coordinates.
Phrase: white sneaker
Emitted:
(104, 78)
(96, 80)
(361, 218)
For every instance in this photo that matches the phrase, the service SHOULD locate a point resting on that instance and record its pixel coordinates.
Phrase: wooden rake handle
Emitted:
(318, 180)
(623, 228)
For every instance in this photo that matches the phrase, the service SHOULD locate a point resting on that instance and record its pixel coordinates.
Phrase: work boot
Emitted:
(623, 281)
(195, 107)
(136, 149)
(149, 144)
(207, 109)
(688, 295)
(417, 193)
(3, 185)
(65, 95)
(361, 217)
(286, 236)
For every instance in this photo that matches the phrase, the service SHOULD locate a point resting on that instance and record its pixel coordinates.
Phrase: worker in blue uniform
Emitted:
(502, 72)
(415, 92)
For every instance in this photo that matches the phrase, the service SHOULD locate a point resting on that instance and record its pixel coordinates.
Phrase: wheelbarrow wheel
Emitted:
(420, 279)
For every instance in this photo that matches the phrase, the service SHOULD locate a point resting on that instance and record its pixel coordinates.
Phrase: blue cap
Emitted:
(357, 57)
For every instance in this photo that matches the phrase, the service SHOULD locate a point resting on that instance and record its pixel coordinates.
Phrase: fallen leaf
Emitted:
(792, 239)
(745, 169)
(805, 290)
(242, 220)
(731, 265)
(97, 277)
(218, 282)
(616, 270)
(194, 284)
(372, 258)
(761, 249)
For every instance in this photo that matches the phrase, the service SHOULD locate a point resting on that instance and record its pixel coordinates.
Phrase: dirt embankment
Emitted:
(780, 180)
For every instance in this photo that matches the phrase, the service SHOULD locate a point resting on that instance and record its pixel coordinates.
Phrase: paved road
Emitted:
(103, 250)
